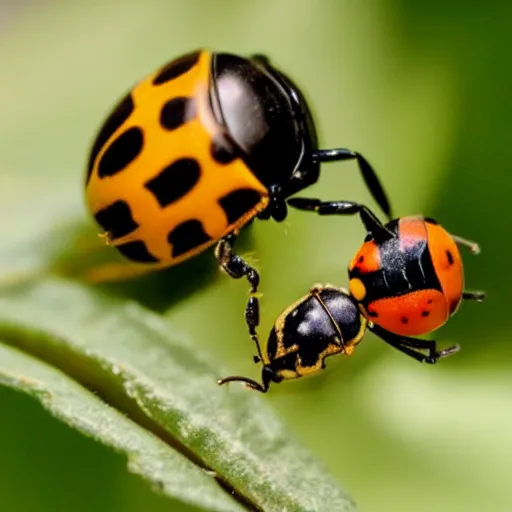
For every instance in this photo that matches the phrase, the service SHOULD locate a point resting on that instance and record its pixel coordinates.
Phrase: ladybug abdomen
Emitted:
(162, 182)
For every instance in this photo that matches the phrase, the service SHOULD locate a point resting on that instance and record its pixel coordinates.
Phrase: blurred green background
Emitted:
(422, 89)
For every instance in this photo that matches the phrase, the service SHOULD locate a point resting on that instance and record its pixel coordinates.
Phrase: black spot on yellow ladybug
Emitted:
(235, 203)
(175, 181)
(186, 236)
(222, 152)
(120, 114)
(176, 67)
(116, 219)
(121, 152)
(177, 112)
(137, 251)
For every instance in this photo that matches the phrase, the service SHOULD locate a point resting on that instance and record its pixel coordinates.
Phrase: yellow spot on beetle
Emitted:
(357, 289)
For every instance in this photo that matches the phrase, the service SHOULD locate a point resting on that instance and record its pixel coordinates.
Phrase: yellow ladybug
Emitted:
(197, 150)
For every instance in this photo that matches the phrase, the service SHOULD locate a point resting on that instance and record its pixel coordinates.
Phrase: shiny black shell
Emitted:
(267, 120)
(325, 322)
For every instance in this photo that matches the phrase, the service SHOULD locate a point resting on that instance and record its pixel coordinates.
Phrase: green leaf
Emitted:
(167, 471)
(154, 375)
